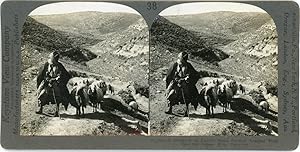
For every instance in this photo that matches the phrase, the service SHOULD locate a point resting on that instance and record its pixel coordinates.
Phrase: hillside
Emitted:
(257, 52)
(169, 37)
(260, 43)
(130, 42)
(44, 39)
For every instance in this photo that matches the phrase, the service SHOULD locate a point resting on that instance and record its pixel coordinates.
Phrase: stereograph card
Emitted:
(150, 74)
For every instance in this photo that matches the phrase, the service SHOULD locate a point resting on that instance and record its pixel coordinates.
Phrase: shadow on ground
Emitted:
(109, 105)
(240, 107)
(108, 118)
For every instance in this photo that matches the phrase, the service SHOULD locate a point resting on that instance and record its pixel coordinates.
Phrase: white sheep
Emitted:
(133, 105)
(264, 105)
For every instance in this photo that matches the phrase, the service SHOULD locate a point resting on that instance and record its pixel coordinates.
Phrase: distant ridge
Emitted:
(89, 24)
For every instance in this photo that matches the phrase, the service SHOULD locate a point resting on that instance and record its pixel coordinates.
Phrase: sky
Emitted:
(204, 7)
(181, 9)
(69, 7)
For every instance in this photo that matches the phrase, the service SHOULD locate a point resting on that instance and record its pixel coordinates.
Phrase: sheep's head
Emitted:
(220, 89)
(90, 90)
(82, 92)
(103, 86)
(109, 87)
(133, 105)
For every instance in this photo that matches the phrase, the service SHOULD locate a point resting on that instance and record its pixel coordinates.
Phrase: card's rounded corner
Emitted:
(295, 3)
(5, 145)
(296, 144)
(3, 3)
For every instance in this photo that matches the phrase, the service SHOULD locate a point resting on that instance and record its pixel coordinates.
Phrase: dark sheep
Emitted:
(242, 88)
(80, 98)
(225, 95)
(208, 98)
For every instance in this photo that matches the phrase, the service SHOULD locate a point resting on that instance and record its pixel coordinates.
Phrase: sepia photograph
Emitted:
(85, 68)
(213, 71)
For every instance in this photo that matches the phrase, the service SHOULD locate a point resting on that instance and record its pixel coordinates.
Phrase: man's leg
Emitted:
(40, 111)
(169, 89)
(41, 101)
(186, 97)
(170, 108)
(56, 91)
(170, 98)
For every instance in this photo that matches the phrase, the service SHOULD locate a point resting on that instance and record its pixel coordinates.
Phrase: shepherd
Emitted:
(181, 82)
(51, 84)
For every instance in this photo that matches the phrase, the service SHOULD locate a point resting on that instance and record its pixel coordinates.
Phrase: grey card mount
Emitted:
(150, 75)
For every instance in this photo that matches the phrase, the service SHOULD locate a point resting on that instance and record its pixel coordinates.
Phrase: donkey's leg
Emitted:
(57, 110)
(82, 110)
(96, 106)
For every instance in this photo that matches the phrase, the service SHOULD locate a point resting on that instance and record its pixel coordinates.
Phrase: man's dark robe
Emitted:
(62, 96)
(191, 85)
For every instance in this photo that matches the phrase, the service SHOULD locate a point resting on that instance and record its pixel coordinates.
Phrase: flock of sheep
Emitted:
(89, 91)
(86, 91)
(221, 91)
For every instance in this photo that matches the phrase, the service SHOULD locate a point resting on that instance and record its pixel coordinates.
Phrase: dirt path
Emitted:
(92, 123)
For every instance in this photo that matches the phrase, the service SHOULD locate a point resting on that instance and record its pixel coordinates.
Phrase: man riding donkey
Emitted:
(51, 84)
(181, 82)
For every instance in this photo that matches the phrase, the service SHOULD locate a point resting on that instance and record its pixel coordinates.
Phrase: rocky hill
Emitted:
(257, 52)
(45, 39)
(260, 43)
(169, 37)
